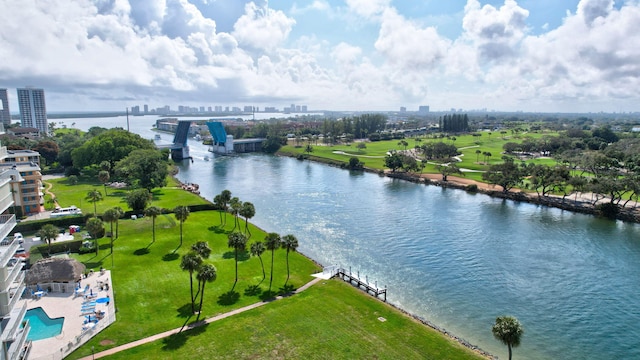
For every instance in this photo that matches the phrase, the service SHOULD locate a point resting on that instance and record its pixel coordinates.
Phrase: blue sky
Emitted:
(510, 55)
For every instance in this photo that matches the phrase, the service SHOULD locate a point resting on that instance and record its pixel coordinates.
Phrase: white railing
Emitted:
(5, 309)
(12, 276)
(16, 348)
(15, 321)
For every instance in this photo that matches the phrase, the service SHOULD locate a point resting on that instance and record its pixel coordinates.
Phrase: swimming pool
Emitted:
(42, 326)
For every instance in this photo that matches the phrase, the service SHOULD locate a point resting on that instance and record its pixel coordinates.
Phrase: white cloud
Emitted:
(368, 8)
(262, 28)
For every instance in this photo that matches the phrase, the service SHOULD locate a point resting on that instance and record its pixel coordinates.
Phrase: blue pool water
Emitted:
(42, 326)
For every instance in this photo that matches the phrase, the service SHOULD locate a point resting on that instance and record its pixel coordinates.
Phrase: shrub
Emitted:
(471, 188)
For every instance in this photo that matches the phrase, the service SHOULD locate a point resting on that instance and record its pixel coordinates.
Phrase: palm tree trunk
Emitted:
(509, 346)
(153, 232)
(112, 238)
(287, 267)
(180, 233)
(271, 275)
(236, 256)
(264, 275)
(201, 298)
(193, 302)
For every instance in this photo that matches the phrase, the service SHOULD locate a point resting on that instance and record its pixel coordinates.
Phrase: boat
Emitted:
(157, 137)
(206, 158)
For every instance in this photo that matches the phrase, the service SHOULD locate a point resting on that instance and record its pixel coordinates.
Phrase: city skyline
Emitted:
(345, 55)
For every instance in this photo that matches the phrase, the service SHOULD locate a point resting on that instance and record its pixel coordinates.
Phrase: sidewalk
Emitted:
(191, 326)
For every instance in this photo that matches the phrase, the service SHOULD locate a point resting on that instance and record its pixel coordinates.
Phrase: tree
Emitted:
(308, 149)
(507, 175)
(108, 145)
(404, 144)
(120, 213)
(104, 177)
(191, 262)
(272, 242)
(478, 152)
(247, 212)
(217, 201)
(146, 168)
(110, 216)
(393, 161)
(508, 330)
(238, 242)
(449, 169)
(48, 233)
(95, 229)
(235, 205)
(361, 146)
(48, 149)
(181, 213)
(153, 212)
(138, 199)
(202, 248)
(223, 201)
(206, 273)
(94, 196)
(290, 243)
(257, 249)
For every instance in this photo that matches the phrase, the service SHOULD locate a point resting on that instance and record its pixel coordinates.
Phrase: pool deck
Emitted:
(69, 306)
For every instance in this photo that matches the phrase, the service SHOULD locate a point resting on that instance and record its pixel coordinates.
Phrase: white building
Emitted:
(5, 115)
(33, 110)
(13, 335)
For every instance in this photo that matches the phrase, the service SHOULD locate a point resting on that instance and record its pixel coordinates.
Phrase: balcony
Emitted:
(7, 223)
(13, 294)
(12, 330)
(10, 273)
(18, 350)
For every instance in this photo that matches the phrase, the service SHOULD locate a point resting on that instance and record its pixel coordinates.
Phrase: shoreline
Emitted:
(631, 215)
(475, 348)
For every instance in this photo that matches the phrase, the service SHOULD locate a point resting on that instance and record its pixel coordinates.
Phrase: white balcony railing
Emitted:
(14, 295)
(12, 330)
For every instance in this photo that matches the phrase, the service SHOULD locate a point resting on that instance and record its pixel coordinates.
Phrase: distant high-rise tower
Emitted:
(33, 110)
(5, 115)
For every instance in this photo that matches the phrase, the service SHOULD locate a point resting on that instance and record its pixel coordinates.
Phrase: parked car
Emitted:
(18, 236)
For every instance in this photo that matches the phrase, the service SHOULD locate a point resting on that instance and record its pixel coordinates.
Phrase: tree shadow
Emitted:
(178, 340)
(243, 256)
(218, 229)
(253, 290)
(228, 298)
(93, 264)
(185, 311)
(170, 257)
(268, 295)
(287, 290)
(142, 251)
(105, 246)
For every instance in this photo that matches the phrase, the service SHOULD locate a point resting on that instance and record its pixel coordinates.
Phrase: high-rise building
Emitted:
(33, 110)
(146, 108)
(5, 115)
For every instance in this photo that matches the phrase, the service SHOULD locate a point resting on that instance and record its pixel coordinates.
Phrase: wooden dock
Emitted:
(363, 285)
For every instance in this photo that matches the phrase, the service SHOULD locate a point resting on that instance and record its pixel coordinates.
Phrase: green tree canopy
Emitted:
(146, 168)
(138, 199)
(111, 145)
(508, 330)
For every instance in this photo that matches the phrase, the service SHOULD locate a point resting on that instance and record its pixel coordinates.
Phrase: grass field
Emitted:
(330, 320)
(68, 194)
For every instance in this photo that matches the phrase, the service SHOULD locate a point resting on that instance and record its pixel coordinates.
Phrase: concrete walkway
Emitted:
(191, 326)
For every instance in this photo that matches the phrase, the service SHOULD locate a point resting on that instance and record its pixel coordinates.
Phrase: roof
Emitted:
(23, 130)
(55, 269)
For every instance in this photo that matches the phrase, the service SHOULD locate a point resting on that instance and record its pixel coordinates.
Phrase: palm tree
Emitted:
(94, 196)
(236, 205)
(48, 233)
(272, 242)
(237, 241)
(478, 152)
(247, 212)
(96, 229)
(181, 213)
(508, 330)
(202, 248)
(226, 198)
(191, 262)
(290, 243)
(217, 200)
(153, 211)
(104, 177)
(110, 216)
(206, 273)
(120, 212)
(257, 249)
(404, 144)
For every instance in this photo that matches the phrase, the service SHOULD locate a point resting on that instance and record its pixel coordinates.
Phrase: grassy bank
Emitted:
(330, 320)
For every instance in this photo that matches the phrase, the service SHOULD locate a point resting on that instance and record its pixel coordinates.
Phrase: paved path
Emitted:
(190, 326)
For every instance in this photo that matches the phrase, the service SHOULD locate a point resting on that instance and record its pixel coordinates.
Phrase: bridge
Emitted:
(225, 144)
(179, 148)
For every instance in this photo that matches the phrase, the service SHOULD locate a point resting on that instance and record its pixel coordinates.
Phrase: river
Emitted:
(454, 258)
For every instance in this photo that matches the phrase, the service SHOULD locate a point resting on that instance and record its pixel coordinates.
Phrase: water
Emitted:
(454, 258)
(42, 327)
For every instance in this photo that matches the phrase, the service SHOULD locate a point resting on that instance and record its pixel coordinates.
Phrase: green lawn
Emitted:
(330, 320)
(67, 195)
(152, 293)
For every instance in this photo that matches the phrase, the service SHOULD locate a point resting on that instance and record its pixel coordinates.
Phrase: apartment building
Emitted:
(27, 191)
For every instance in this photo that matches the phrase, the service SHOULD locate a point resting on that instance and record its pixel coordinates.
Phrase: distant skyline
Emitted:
(351, 55)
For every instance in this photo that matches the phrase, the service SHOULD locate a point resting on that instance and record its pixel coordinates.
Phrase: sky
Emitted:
(351, 55)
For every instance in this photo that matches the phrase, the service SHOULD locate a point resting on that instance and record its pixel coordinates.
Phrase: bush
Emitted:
(471, 188)
(609, 210)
